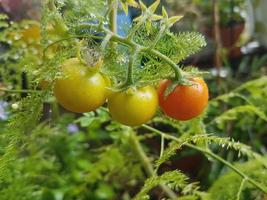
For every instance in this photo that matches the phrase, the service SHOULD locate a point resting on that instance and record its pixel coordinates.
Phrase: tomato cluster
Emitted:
(81, 89)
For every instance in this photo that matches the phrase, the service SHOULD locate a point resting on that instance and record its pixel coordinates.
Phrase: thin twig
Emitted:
(211, 154)
(147, 164)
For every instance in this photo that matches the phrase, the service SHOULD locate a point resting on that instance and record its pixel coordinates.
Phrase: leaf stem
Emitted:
(177, 70)
(113, 15)
(19, 91)
(133, 57)
(212, 155)
(240, 189)
(146, 163)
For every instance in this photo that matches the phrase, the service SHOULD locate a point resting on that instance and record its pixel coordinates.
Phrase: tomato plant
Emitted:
(185, 101)
(133, 107)
(80, 89)
(119, 144)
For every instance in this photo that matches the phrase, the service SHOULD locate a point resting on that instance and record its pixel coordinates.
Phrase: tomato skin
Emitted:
(135, 107)
(184, 102)
(80, 90)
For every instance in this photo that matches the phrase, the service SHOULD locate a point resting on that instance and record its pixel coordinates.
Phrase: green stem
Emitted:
(113, 15)
(240, 189)
(212, 155)
(19, 91)
(177, 70)
(79, 55)
(133, 57)
(113, 5)
(128, 42)
(158, 37)
(68, 38)
(105, 41)
(146, 163)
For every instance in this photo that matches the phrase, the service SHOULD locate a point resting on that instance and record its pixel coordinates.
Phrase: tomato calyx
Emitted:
(174, 83)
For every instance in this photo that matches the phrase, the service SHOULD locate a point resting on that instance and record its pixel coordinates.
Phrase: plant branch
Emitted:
(133, 57)
(241, 188)
(147, 164)
(68, 38)
(19, 91)
(177, 70)
(113, 15)
(128, 42)
(212, 155)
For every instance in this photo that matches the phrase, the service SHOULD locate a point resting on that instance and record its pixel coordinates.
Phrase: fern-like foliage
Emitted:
(22, 122)
(227, 187)
(234, 113)
(174, 179)
(209, 139)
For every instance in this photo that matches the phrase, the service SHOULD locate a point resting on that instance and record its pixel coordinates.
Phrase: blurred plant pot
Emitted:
(229, 36)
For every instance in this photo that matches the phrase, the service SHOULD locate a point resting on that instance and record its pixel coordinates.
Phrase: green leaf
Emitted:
(174, 19)
(126, 3)
(170, 89)
(154, 6)
(174, 179)
(164, 12)
(232, 114)
(156, 17)
(143, 6)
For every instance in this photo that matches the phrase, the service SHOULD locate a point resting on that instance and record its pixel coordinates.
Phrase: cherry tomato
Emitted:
(134, 107)
(184, 102)
(81, 89)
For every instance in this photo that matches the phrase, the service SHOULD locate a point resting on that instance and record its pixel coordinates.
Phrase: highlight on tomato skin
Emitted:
(133, 108)
(80, 90)
(184, 102)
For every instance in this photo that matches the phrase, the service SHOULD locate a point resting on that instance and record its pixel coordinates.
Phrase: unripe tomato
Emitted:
(184, 102)
(80, 90)
(133, 107)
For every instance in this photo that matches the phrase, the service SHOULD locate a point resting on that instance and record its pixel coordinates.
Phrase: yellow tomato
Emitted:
(80, 90)
(135, 107)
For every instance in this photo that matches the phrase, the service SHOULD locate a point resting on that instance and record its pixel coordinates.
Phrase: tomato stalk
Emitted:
(79, 55)
(69, 38)
(113, 15)
(177, 70)
(210, 154)
(128, 42)
(133, 57)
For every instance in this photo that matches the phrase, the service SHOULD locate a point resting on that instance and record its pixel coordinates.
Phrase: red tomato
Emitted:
(184, 102)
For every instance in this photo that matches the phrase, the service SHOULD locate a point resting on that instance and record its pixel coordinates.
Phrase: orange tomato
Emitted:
(184, 102)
